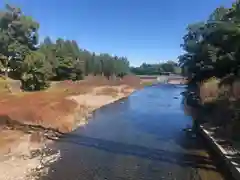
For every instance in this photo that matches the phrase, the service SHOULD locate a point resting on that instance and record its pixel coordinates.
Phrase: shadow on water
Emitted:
(183, 159)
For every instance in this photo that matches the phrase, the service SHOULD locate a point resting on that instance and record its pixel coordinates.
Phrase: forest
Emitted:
(157, 69)
(35, 63)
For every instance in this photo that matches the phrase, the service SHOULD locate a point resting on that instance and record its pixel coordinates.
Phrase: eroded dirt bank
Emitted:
(29, 120)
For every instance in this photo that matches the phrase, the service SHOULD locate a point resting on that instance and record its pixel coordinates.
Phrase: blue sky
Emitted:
(143, 30)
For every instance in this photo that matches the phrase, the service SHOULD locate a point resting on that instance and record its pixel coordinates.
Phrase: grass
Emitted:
(8, 85)
(3, 86)
(209, 90)
(50, 108)
(148, 82)
(112, 91)
(220, 99)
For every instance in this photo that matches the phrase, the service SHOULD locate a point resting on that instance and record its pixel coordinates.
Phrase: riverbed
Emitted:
(143, 137)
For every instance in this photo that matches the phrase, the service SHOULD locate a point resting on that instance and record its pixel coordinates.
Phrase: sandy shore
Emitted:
(25, 156)
(25, 160)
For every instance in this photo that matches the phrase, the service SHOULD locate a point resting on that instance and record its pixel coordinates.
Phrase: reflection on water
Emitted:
(140, 137)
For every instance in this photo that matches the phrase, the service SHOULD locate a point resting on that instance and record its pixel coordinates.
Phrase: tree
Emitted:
(157, 69)
(212, 47)
(18, 36)
(47, 41)
(35, 72)
(77, 73)
(168, 66)
(90, 64)
(60, 59)
(48, 48)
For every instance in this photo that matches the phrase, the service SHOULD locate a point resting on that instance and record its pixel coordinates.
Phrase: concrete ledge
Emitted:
(225, 155)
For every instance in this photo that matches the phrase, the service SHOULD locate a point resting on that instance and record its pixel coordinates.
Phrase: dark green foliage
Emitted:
(35, 72)
(213, 47)
(70, 62)
(18, 36)
(77, 72)
(157, 69)
(59, 60)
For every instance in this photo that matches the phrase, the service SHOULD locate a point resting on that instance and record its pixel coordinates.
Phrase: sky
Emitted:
(148, 31)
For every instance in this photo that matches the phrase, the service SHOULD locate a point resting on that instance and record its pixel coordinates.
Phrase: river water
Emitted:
(141, 137)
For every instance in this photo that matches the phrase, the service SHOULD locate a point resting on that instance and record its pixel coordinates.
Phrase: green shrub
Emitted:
(35, 72)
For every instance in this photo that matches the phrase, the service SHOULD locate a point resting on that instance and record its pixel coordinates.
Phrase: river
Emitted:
(141, 137)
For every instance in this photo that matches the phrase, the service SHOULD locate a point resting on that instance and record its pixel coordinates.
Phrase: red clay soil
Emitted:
(51, 109)
(45, 109)
(89, 82)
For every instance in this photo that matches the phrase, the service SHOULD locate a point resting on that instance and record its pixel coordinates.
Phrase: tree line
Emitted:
(212, 47)
(34, 63)
(157, 69)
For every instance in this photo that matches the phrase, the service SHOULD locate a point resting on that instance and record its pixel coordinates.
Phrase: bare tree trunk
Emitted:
(6, 74)
(6, 69)
(6, 66)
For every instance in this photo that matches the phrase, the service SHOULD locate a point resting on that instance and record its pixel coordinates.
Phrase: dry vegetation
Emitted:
(26, 119)
(209, 90)
(220, 105)
(63, 106)
(53, 108)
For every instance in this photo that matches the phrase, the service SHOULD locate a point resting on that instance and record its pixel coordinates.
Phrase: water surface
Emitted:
(138, 138)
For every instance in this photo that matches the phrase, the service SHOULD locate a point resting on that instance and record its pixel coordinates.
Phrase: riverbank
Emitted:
(229, 156)
(128, 140)
(214, 105)
(29, 120)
